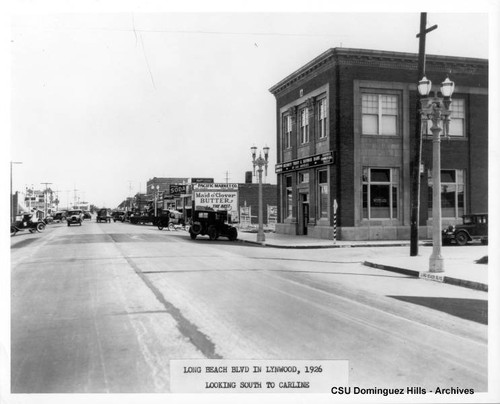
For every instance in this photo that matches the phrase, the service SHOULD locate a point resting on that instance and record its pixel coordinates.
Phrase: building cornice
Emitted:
(380, 59)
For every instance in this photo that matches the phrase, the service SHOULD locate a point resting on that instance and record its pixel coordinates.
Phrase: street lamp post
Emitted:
(11, 195)
(260, 162)
(437, 110)
(155, 193)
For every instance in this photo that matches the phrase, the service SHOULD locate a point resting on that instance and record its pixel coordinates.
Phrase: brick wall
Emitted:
(249, 193)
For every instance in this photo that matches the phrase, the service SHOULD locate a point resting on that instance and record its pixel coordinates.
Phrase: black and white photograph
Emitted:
(250, 203)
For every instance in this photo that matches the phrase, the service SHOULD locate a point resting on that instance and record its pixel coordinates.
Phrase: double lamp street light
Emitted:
(155, 191)
(437, 110)
(260, 162)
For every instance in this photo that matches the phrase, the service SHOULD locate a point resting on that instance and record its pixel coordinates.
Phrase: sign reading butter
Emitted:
(306, 162)
(217, 197)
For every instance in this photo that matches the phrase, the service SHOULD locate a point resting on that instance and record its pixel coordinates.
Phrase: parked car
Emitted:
(60, 216)
(118, 216)
(474, 227)
(163, 219)
(127, 215)
(213, 224)
(74, 216)
(103, 216)
(87, 215)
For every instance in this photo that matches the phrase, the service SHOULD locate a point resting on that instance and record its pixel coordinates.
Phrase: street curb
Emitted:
(265, 244)
(446, 279)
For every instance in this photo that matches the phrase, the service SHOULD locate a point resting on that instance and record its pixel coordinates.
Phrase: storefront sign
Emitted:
(202, 180)
(177, 190)
(306, 162)
(217, 197)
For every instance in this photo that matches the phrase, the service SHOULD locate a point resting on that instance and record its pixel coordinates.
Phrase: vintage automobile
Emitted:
(74, 216)
(163, 219)
(171, 219)
(474, 227)
(60, 216)
(103, 216)
(145, 217)
(26, 221)
(118, 215)
(211, 223)
(87, 215)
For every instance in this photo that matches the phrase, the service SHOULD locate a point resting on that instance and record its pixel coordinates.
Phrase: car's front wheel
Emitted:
(40, 227)
(461, 238)
(212, 233)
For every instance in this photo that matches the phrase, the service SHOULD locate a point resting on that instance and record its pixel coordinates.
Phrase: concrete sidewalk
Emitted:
(460, 264)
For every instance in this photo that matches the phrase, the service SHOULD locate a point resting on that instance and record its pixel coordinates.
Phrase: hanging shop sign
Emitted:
(306, 162)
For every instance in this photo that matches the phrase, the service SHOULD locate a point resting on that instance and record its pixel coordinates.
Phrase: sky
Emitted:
(101, 102)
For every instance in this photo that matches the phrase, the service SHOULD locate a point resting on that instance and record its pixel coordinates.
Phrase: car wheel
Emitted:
(212, 233)
(195, 228)
(461, 238)
(40, 227)
(171, 226)
(232, 234)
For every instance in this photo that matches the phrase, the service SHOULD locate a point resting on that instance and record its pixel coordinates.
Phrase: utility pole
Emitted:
(129, 195)
(74, 197)
(46, 196)
(417, 146)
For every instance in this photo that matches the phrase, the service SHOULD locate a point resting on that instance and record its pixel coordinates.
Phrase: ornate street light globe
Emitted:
(254, 151)
(447, 87)
(424, 87)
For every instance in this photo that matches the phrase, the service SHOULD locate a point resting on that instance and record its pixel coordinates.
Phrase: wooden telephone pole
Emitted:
(417, 147)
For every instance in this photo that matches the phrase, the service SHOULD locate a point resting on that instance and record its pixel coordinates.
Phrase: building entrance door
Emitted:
(304, 213)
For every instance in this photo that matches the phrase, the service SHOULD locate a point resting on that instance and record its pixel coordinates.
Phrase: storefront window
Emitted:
(380, 193)
(323, 191)
(288, 196)
(452, 194)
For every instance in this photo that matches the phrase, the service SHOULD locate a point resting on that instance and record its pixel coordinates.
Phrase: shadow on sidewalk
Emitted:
(468, 309)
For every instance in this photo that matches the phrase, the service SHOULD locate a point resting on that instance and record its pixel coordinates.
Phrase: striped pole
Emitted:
(335, 206)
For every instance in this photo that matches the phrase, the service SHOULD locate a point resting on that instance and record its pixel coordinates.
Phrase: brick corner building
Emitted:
(345, 133)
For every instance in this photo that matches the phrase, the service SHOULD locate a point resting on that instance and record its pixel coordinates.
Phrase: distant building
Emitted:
(345, 131)
(162, 187)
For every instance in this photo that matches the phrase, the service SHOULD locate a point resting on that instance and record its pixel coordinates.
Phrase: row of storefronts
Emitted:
(185, 194)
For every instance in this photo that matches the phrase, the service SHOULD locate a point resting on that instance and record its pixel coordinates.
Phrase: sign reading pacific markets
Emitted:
(217, 197)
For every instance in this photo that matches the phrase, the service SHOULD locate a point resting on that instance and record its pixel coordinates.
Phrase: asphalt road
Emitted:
(102, 308)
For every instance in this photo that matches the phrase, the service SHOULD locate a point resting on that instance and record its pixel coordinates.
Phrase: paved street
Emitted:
(102, 308)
